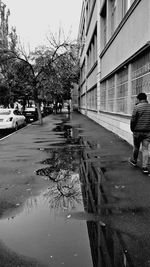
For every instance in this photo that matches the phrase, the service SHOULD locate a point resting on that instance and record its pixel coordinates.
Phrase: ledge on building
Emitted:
(129, 60)
(126, 116)
(93, 110)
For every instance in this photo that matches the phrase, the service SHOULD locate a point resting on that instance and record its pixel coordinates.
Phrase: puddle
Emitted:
(48, 233)
(46, 228)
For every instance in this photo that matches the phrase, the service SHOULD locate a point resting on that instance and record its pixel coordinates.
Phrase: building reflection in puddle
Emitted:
(119, 237)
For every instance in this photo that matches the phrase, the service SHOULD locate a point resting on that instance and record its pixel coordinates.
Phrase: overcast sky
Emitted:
(34, 18)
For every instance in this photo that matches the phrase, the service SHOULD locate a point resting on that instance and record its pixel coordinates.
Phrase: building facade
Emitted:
(114, 38)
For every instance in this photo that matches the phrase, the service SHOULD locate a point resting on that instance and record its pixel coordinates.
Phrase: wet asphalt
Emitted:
(68, 196)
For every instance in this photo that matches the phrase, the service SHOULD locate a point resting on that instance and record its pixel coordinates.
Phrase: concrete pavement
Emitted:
(125, 188)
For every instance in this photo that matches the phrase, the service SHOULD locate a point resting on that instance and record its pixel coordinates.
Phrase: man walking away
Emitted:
(140, 126)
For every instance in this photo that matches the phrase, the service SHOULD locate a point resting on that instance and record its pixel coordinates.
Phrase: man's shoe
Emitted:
(145, 170)
(133, 162)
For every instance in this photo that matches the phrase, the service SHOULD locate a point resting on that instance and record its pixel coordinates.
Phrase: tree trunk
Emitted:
(39, 113)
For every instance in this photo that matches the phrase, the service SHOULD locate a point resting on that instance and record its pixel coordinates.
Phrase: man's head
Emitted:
(141, 96)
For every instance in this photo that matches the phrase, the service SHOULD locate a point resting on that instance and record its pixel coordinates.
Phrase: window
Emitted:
(92, 99)
(87, 12)
(103, 96)
(5, 112)
(88, 9)
(111, 93)
(82, 77)
(113, 16)
(129, 3)
(125, 6)
(92, 52)
(122, 91)
(95, 48)
(140, 77)
(83, 101)
(103, 26)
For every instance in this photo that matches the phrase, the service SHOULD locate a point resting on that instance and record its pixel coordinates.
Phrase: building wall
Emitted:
(122, 66)
(130, 38)
(88, 57)
(91, 26)
(92, 78)
(120, 126)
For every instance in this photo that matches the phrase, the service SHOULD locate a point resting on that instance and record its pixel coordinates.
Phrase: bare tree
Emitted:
(47, 67)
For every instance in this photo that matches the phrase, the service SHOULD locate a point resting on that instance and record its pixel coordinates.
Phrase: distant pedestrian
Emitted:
(68, 107)
(60, 107)
(55, 108)
(140, 126)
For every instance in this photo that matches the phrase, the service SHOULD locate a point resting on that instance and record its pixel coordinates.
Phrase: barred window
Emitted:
(113, 16)
(83, 101)
(111, 93)
(92, 52)
(122, 91)
(140, 77)
(103, 96)
(103, 26)
(82, 76)
(92, 99)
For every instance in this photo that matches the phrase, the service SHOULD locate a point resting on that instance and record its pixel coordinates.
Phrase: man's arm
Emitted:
(134, 119)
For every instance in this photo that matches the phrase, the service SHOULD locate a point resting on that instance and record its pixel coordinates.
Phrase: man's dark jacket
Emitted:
(140, 119)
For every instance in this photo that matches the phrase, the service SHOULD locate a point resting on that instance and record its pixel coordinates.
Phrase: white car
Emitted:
(11, 119)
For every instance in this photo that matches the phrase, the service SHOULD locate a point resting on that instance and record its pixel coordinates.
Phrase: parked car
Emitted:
(47, 110)
(30, 113)
(65, 108)
(11, 119)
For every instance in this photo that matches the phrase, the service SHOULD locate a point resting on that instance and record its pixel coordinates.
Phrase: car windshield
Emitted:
(5, 112)
(30, 108)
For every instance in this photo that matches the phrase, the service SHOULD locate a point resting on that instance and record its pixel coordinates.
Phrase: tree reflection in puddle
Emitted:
(71, 134)
(45, 229)
(65, 194)
(63, 169)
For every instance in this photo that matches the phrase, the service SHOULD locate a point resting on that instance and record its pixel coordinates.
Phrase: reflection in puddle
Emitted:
(118, 237)
(48, 234)
(45, 229)
(65, 195)
(61, 163)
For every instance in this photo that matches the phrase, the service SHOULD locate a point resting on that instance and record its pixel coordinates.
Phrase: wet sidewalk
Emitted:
(69, 180)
